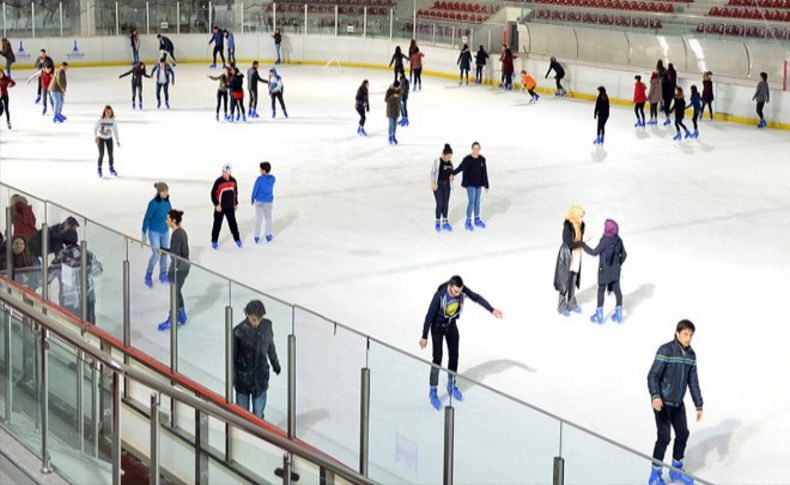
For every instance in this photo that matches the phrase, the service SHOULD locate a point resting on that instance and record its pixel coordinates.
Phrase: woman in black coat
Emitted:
(601, 113)
(569, 276)
(611, 253)
(397, 61)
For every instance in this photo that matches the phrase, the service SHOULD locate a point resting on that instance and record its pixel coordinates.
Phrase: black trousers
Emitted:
(180, 278)
(253, 99)
(417, 77)
(137, 89)
(602, 125)
(230, 215)
(4, 107)
(39, 85)
(709, 104)
(398, 70)
(218, 50)
(668, 103)
(760, 105)
(222, 99)
(695, 117)
(105, 142)
(479, 72)
(639, 109)
(679, 124)
(361, 110)
(440, 333)
(464, 71)
(558, 81)
(675, 418)
(159, 88)
(276, 96)
(654, 110)
(442, 196)
(615, 288)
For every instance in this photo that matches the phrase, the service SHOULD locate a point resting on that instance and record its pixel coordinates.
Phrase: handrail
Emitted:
(216, 407)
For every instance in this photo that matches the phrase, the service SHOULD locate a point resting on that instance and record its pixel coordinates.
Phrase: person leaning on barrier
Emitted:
(69, 293)
(56, 233)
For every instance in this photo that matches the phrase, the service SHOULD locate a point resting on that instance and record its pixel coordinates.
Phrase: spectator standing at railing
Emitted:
(696, 103)
(231, 44)
(22, 216)
(707, 93)
(481, 58)
(43, 63)
(70, 291)
(601, 113)
(762, 95)
(278, 39)
(137, 72)
(5, 83)
(56, 233)
(134, 40)
(179, 264)
(654, 96)
(559, 74)
(397, 62)
(362, 105)
(8, 53)
(253, 352)
(218, 39)
(57, 88)
(464, 63)
(639, 101)
(166, 47)
(415, 61)
(21, 259)
(156, 231)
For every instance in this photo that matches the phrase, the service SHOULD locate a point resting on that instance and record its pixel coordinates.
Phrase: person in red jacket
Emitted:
(5, 83)
(23, 217)
(45, 77)
(225, 198)
(640, 98)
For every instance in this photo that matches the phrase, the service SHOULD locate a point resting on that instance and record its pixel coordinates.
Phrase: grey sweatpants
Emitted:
(263, 210)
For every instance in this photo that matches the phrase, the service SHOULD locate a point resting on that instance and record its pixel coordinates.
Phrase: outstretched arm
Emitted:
(482, 302)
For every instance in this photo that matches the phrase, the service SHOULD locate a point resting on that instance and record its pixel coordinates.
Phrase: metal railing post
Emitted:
(44, 261)
(292, 386)
(173, 339)
(449, 439)
(46, 466)
(9, 367)
(147, 19)
(414, 18)
(364, 421)
(228, 375)
(210, 16)
(326, 477)
(305, 20)
(117, 20)
(116, 428)
(153, 467)
(287, 463)
(80, 424)
(201, 443)
(391, 19)
(364, 21)
(336, 18)
(33, 19)
(9, 254)
(559, 465)
(127, 324)
(242, 17)
(95, 416)
(83, 283)
(4, 21)
(452, 39)
(178, 18)
(60, 9)
(434, 33)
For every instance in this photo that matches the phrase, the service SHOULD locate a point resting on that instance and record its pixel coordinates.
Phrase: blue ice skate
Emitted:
(269, 238)
(678, 476)
(618, 315)
(447, 227)
(677, 137)
(468, 225)
(438, 226)
(149, 282)
(434, 397)
(238, 244)
(453, 390)
(597, 316)
(214, 245)
(163, 278)
(479, 223)
(655, 477)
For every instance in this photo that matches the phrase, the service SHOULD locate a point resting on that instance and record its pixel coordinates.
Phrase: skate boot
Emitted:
(598, 316)
(363, 132)
(479, 223)
(214, 245)
(216, 117)
(536, 98)
(677, 137)
(257, 239)
(213, 66)
(762, 124)
(688, 134)
(447, 227)
(164, 325)
(38, 99)
(274, 114)
(394, 140)
(679, 477)
(113, 172)
(359, 130)
(133, 105)
(99, 172)
(243, 118)
(667, 122)
(468, 225)
(238, 244)
(601, 140)
(167, 104)
(163, 278)
(149, 282)
(618, 315)
(438, 226)
(182, 316)
(44, 111)
(577, 309)
(158, 104)
(269, 238)
(453, 390)
(655, 477)
(390, 139)
(285, 113)
(695, 134)
(638, 123)
(434, 397)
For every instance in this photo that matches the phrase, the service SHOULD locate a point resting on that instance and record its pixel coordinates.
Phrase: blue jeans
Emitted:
(258, 402)
(135, 56)
(57, 102)
(393, 124)
(277, 49)
(403, 111)
(474, 194)
(158, 240)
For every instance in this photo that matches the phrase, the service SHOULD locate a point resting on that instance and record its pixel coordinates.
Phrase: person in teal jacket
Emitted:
(156, 231)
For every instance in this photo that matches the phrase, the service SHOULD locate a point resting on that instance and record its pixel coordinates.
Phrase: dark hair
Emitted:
(764, 75)
(266, 167)
(396, 84)
(70, 237)
(638, 77)
(482, 48)
(64, 63)
(43, 50)
(397, 49)
(693, 88)
(71, 221)
(685, 325)
(158, 35)
(602, 90)
(254, 63)
(678, 90)
(465, 47)
(456, 281)
(364, 86)
(447, 149)
(255, 307)
(475, 143)
(175, 215)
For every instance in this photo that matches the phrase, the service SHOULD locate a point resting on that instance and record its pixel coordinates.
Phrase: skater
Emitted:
(601, 113)
(481, 58)
(218, 38)
(707, 93)
(253, 351)
(44, 76)
(165, 75)
(639, 101)
(263, 200)
(654, 96)
(667, 88)
(43, 62)
(225, 197)
(253, 78)
(679, 107)
(5, 83)
(441, 320)
(412, 49)
(166, 47)
(276, 91)
(138, 72)
(762, 95)
(156, 231)
(224, 80)
(475, 177)
(559, 74)
(397, 61)
(415, 61)
(105, 130)
(231, 42)
(567, 276)
(237, 95)
(674, 369)
(22, 216)
(392, 98)
(507, 69)
(8, 53)
(362, 106)
(134, 41)
(464, 63)
(278, 39)
(528, 84)
(69, 295)
(696, 103)
(611, 256)
(57, 88)
(404, 100)
(441, 180)
(179, 265)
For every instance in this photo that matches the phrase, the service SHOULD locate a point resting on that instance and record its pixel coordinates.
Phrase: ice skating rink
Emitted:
(705, 223)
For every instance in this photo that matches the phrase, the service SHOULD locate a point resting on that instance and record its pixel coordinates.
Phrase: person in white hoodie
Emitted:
(105, 130)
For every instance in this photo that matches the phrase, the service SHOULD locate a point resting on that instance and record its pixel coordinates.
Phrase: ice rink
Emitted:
(705, 223)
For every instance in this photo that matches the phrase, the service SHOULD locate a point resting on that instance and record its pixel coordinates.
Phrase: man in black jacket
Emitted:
(674, 369)
(166, 47)
(253, 349)
(225, 197)
(55, 237)
(559, 73)
(445, 309)
(475, 177)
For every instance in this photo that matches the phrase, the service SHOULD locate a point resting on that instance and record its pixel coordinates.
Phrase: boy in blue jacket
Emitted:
(156, 231)
(263, 200)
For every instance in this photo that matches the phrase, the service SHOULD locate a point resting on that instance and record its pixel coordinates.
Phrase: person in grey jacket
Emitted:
(392, 98)
(441, 180)
(674, 369)
(762, 95)
(179, 265)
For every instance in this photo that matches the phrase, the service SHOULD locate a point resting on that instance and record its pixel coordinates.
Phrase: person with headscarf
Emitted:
(611, 255)
(568, 277)
(276, 90)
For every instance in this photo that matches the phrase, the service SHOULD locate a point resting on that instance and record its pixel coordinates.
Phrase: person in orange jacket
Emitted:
(528, 82)
(640, 98)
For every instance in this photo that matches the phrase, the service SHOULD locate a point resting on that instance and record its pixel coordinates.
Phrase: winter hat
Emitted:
(610, 228)
(227, 168)
(161, 187)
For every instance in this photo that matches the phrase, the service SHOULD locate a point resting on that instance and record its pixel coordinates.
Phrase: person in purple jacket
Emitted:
(263, 200)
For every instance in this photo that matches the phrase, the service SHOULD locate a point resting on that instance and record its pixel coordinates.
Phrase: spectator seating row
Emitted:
(464, 7)
(369, 3)
(643, 6)
(750, 13)
(329, 9)
(589, 18)
(760, 3)
(425, 31)
(452, 16)
(743, 31)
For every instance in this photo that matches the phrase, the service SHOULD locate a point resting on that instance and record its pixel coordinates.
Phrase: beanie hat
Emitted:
(227, 168)
(161, 187)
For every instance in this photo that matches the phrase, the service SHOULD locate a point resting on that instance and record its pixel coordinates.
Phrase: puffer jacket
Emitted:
(562, 269)
(611, 252)
(253, 350)
(674, 369)
(24, 220)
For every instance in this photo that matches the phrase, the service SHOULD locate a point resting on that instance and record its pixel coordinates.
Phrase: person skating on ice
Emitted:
(559, 74)
(528, 84)
(611, 256)
(762, 95)
(441, 321)
(441, 184)
(696, 103)
(225, 197)
(138, 72)
(567, 274)
(223, 86)
(43, 63)
(253, 78)
(707, 93)
(415, 63)
(105, 130)
(166, 48)
(475, 178)
(57, 88)
(218, 39)
(5, 82)
(673, 371)
(276, 91)
(157, 233)
(7, 52)
(262, 200)
(392, 99)
(679, 108)
(230, 41)
(601, 114)
(396, 62)
(640, 97)
(237, 95)
(412, 49)
(481, 58)
(404, 100)
(179, 264)
(507, 68)
(464, 63)
(667, 90)
(164, 75)
(654, 97)
(362, 105)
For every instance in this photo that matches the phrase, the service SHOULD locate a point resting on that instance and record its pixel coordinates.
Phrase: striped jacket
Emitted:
(673, 370)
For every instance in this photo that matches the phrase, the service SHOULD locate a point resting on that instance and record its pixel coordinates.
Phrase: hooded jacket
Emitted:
(444, 312)
(392, 98)
(611, 255)
(253, 350)
(674, 369)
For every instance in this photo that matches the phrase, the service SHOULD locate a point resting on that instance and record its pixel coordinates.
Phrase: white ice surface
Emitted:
(705, 224)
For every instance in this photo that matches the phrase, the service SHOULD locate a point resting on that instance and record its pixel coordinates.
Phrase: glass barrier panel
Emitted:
(320, 19)
(378, 22)
(46, 20)
(290, 20)
(265, 460)
(350, 20)
(258, 16)
(163, 17)
(6, 377)
(72, 12)
(106, 253)
(329, 360)
(194, 18)
(131, 17)
(406, 432)
(227, 17)
(402, 24)
(593, 461)
(18, 19)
